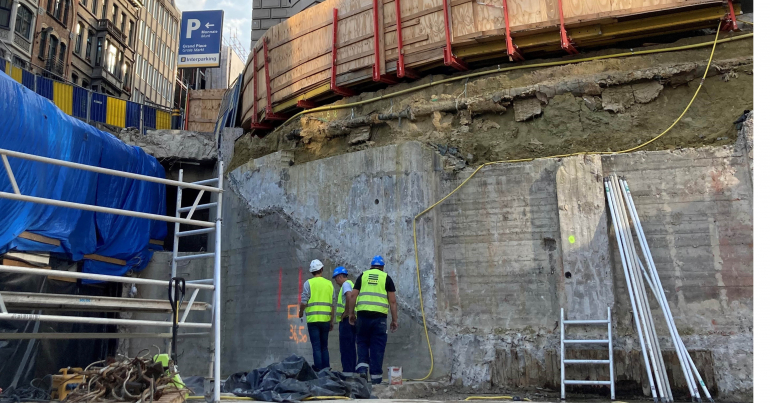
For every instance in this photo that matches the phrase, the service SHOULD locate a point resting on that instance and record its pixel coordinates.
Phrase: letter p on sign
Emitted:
(192, 25)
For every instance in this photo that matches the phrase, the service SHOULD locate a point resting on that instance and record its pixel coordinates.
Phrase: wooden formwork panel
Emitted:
(300, 48)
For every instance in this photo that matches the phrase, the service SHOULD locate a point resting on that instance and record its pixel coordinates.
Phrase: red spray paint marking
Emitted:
(299, 290)
(280, 283)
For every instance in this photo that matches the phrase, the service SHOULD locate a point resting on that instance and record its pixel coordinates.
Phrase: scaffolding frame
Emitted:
(109, 305)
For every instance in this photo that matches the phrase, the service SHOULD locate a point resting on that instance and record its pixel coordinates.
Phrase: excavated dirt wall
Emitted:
(600, 105)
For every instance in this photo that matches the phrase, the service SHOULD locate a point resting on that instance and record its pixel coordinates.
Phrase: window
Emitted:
(85, 82)
(89, 34)
(147, 37)
(119, 68)
(84, 3)
(104, 9)
(173, 59)
(112, 57)
(62, 51)
(138, 65)
(99, 51)
(130, 33)
(23, 21)
(152, 42)
(114, 14)
(5, 13)
(93, 7)
(43, 39)
(52, 47)
(123, 23)
(65, 17)
(57, 9)
(144, 69)
(141, 30)
(75, 78)
(78, 40)
(123, 69)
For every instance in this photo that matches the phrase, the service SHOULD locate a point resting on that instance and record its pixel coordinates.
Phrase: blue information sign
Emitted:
(200, 38)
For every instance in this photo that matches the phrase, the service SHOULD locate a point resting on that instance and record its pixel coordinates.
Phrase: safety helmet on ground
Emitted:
(316, 265)
(339, 270)
(378, 261)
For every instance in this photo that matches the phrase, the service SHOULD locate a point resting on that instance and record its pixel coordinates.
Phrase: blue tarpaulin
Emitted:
(32, 124)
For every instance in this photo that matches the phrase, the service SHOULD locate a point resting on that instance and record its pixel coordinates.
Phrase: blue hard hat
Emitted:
(339, 270)
(378, 261)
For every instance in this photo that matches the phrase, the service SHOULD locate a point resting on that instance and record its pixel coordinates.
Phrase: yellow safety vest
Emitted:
(341, 302)
(319, 307)
(373, 296)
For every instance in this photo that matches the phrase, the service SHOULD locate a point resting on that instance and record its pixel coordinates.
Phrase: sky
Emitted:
(237, 16)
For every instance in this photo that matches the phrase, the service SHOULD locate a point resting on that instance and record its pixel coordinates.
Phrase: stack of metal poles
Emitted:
(621, 206)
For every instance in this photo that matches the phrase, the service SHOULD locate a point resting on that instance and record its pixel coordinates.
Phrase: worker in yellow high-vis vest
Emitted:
(316, 304)
(374, 292)
(347, 331)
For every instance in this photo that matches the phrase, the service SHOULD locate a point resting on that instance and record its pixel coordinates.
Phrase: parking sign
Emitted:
(200, 38)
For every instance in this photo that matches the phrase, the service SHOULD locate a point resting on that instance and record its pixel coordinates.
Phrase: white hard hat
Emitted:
(316, 265)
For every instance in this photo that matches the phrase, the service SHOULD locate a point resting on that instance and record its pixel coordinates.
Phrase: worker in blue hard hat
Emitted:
(374, 292)
(345, 305)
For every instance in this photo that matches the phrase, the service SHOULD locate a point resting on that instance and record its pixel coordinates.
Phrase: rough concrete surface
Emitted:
(182, 144)
(648, 92)
(493, 259)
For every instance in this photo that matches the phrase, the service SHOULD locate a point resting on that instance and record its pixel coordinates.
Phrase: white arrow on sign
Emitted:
(209, 25)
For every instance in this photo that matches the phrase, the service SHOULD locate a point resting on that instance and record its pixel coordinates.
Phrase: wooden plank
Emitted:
(391, 27)
(353, 40)
(410, 41)
(356, 57)
(105, 259)
(157, 242)
(354, 12)
(40, 259)
(200, 120)
(405, 18)
(39, 238)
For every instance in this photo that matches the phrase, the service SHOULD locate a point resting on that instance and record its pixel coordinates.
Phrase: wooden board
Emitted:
(204, 109)
(300, 48)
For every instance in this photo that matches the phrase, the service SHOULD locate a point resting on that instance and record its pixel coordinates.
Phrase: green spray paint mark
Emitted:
(571, 239)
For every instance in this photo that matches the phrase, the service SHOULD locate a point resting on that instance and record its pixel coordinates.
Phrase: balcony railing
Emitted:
(54, 66)
(107, 25)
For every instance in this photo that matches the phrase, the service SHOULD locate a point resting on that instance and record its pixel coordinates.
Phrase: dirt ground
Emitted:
(600, 105)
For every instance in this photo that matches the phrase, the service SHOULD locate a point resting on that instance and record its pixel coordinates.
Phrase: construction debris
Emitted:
(137, 379)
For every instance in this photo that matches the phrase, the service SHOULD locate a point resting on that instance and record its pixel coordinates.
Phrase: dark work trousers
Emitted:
(347, 347)
(319, 338)
(371, 338)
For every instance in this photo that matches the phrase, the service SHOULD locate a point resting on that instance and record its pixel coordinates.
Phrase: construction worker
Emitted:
(374, 292)
(317, 294)
(347, 331)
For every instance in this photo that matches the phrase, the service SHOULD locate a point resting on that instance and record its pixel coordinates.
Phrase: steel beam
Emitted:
(65, 302)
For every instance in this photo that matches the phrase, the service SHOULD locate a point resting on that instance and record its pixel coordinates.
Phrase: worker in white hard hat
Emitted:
(317, 297)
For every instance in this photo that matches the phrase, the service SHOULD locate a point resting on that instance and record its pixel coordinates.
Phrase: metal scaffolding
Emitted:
(112, 304)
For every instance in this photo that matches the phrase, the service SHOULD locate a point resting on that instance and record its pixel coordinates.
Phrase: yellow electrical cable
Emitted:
(503, 70)
(414, 220)
(223, 398)
(745, 22)
(326, 398)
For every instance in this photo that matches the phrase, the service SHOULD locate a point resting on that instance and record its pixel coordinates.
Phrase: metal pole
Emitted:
(107, 336)
(612, 366)
(616, 224)
(561, 325)
(99, 209)
(101, 170)
(175, 250)
(641, 295)
(95, 321)
(98, 277)
(656, 285)
(218, 285)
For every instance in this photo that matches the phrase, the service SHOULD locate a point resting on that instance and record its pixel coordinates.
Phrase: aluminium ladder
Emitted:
(608, 341)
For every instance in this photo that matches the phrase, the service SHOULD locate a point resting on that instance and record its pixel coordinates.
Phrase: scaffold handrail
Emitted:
(96, 277)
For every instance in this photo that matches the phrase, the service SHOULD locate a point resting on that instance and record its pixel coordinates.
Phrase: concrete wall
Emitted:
(494, 258)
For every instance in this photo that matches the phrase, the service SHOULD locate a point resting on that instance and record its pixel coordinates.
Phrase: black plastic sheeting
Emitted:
(48, 356)
(292, 380)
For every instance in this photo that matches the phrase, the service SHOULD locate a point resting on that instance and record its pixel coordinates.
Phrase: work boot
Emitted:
(364, 375)
(376, 380)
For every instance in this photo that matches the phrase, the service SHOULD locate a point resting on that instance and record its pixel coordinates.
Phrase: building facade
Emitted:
(231, 66)
(53, 39)
(266, 13)
(156, 46)
(17, 30)
(103, 40)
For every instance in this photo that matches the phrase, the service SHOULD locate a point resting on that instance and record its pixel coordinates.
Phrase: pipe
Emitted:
(90, 276)
(658, 286)
(95, 321)
(106, 171)
(616, 225)
(99, 209)
(217, 311)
